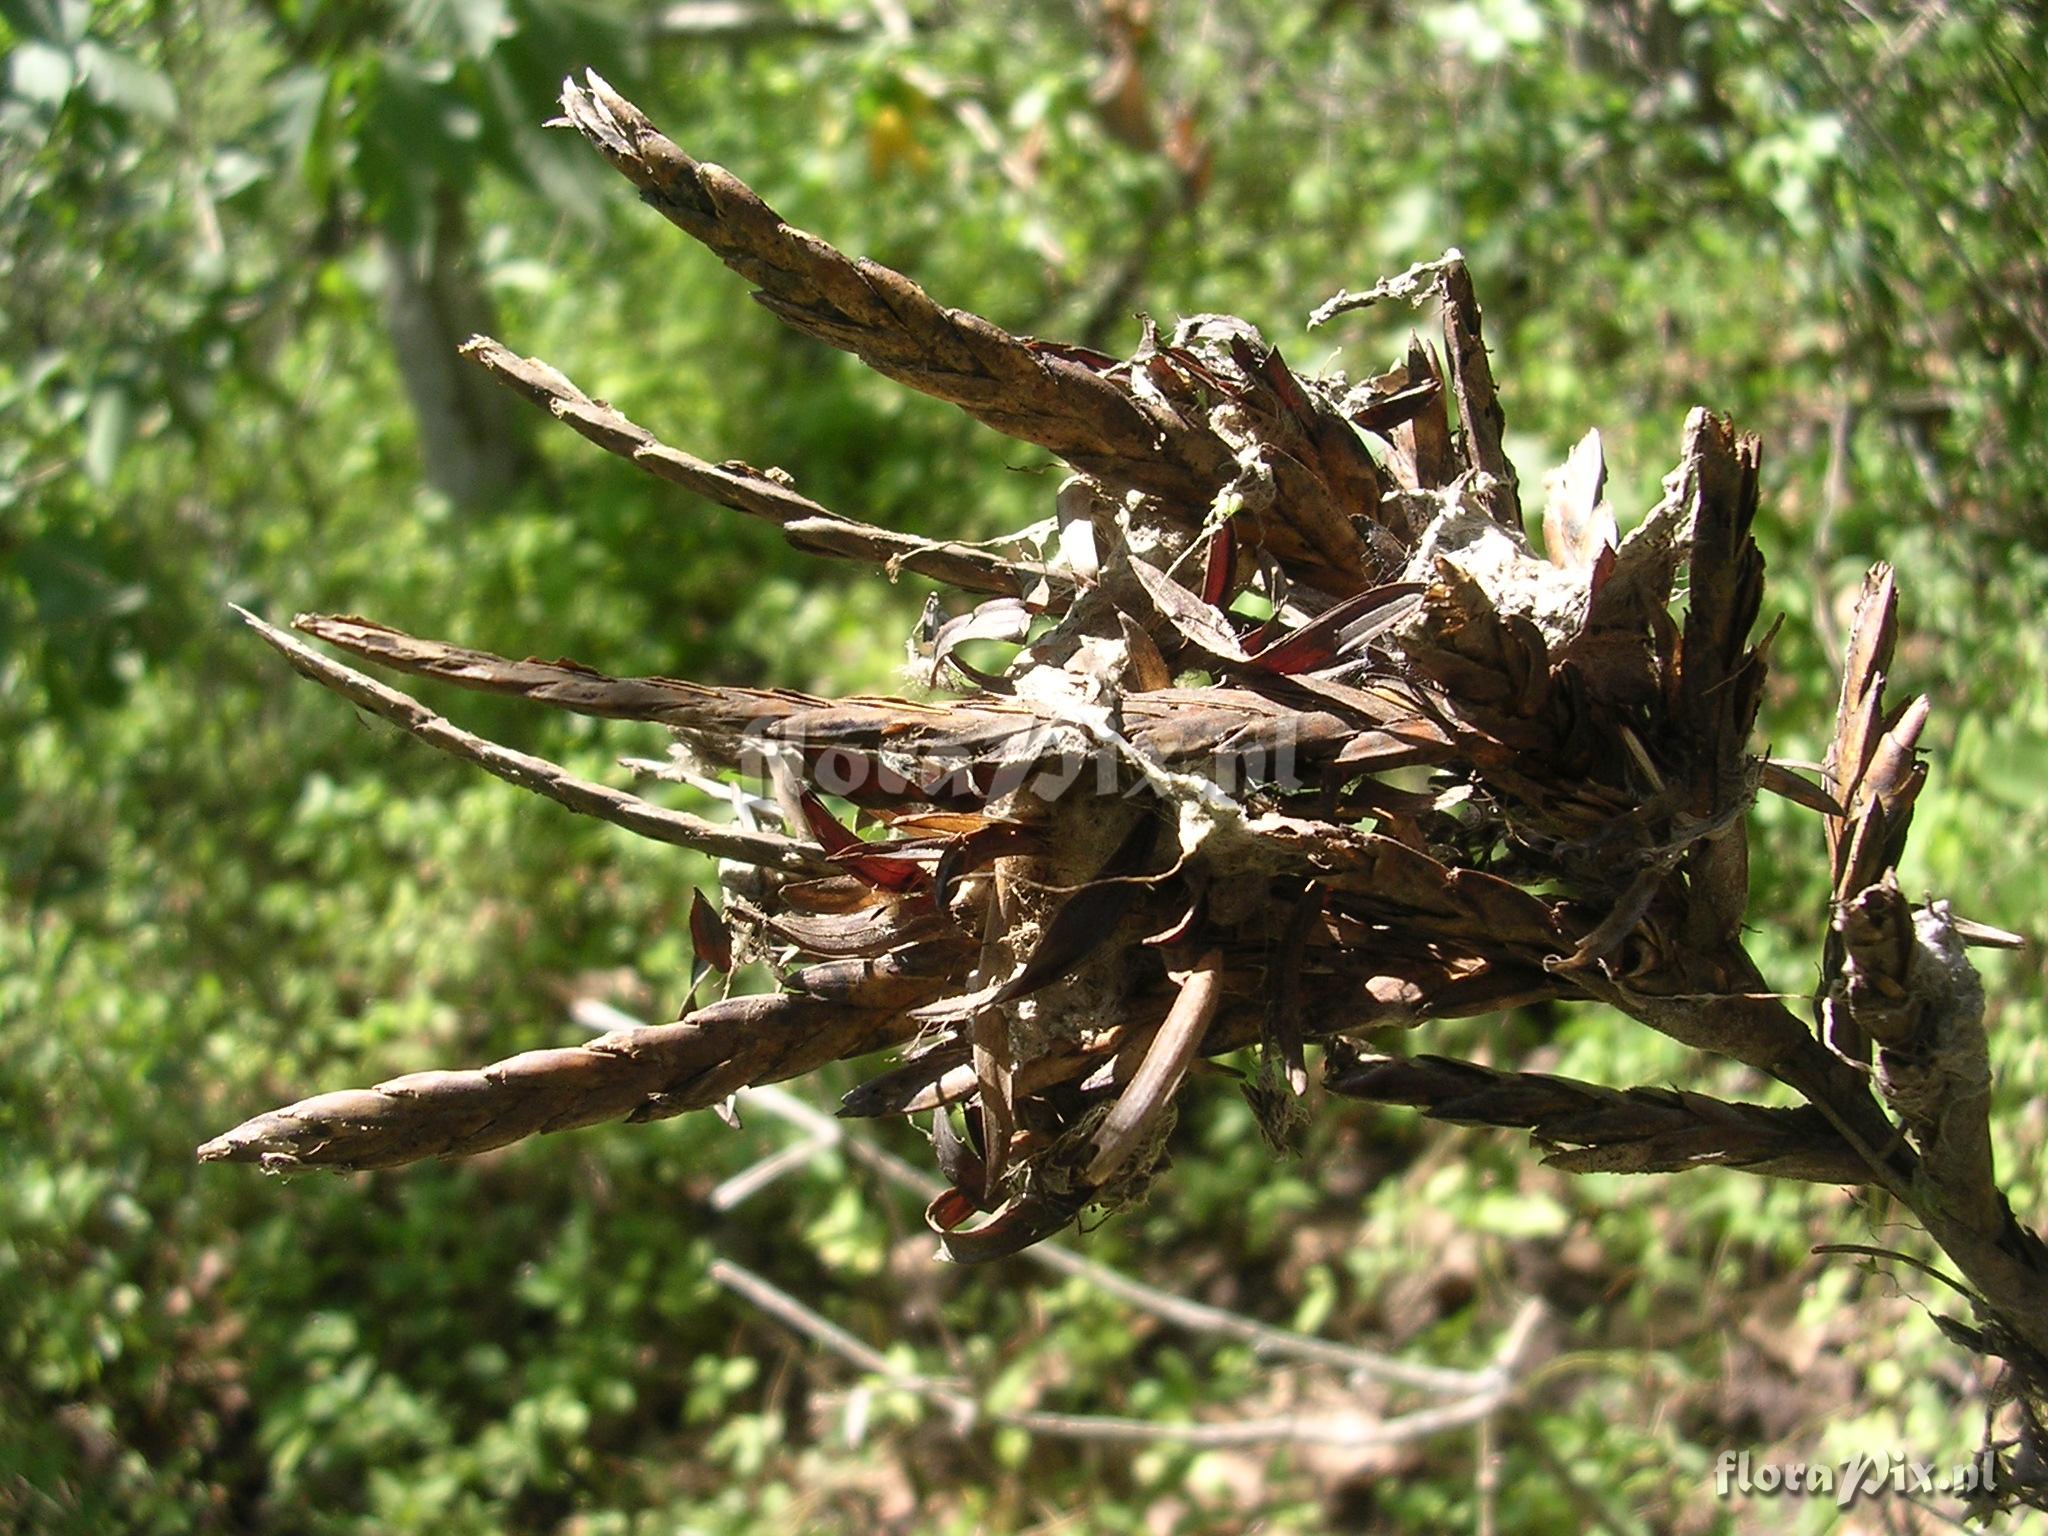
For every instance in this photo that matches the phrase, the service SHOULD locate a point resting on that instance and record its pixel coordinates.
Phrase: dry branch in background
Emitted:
(1449, 775)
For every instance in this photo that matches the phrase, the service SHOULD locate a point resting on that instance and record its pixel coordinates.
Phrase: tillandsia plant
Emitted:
(1438, 775)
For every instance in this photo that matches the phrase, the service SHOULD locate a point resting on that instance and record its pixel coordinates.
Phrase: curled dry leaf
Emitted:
(709, 939)
(1004, 618)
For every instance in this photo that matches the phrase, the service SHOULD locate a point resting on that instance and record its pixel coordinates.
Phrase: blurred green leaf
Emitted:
(40, 72)
(119, 84)
(109, 424)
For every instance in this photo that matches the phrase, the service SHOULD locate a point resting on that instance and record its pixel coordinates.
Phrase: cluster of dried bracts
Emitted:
(1301, 739)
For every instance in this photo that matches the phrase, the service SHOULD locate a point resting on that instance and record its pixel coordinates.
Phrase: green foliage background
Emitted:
(222, 889)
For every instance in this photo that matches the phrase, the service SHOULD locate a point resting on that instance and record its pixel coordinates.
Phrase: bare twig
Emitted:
(965, 1411)
(1486, 1477)
(785, 1308)
(1195, 1316)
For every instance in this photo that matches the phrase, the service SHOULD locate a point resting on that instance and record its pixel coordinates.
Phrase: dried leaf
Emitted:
(1200, 626)
(1800, 790)
(1004, 618)
(867, 861)
(1148, 669)
(1166, 1062)
(1341, 631)
(962, 1166)
(1011, 1230)
(913, 1085)
(1220, 565)
(709, 939)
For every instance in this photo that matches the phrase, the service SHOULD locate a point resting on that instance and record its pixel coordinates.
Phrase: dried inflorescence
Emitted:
(1446, 776)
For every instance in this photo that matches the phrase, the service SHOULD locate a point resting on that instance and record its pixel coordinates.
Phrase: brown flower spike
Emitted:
(1446, 777)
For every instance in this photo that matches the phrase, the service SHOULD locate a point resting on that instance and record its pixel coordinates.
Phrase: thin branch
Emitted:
(1486, 1456)
(1350, 1431)
(750, 1181)
(1195, 1316)
(786, 1309)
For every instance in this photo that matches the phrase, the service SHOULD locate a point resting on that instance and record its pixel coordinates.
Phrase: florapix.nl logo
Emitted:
(1859, 1476)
